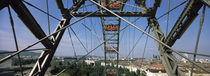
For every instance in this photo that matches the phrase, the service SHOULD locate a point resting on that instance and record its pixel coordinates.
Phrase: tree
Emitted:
(55, 70)
(138, 72)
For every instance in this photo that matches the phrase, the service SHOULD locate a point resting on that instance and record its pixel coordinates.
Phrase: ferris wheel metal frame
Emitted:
(164, 43)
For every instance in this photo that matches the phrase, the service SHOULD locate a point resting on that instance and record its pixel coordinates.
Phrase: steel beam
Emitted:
(27, 18)
(4, 3)
(207, 2)
(157, 40)
(107, 14)
(46, 56)
(168, 60)
(184, 21)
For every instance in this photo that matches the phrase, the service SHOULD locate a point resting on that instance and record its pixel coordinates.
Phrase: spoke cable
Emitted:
(198, 37)
(16, 44)
(41, 10)
(79, 39)
(172, 9)
(96, 46)
(12, 55)
(122, 35)
(173, 50)
(103, 41)
(136, 43)
(48, 17)
(72, 44)
(145, 46)
(94, 32)
(167, 18)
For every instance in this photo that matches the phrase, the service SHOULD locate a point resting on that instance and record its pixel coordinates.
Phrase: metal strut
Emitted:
(158, 38)
(46, 56)
(111, 27)
(198, 37)
(184, 21)
(168, 59)
(111, 44)
(27, 18)
(16, 43)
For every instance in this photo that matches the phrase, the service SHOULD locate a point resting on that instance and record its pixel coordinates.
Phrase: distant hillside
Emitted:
(79, 56)
(22, 53)
(89, 56)
(30, 53)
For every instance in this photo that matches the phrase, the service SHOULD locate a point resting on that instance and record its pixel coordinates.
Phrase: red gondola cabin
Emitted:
(113, 4)
(111, 27)
(110, 49)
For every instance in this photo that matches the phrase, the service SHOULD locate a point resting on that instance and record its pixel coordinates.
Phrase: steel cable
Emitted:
(198, 37)
(41, 10)
(48, 17)
(172, 9)
(173, 50)
(72, 44)
(145, 46)
(16, 44)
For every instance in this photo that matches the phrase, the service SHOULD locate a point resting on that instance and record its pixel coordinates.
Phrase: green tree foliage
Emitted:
(82, 69)
(15, 61)
(55, 70)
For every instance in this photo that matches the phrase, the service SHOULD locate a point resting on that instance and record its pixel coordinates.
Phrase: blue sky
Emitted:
(127, 37)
